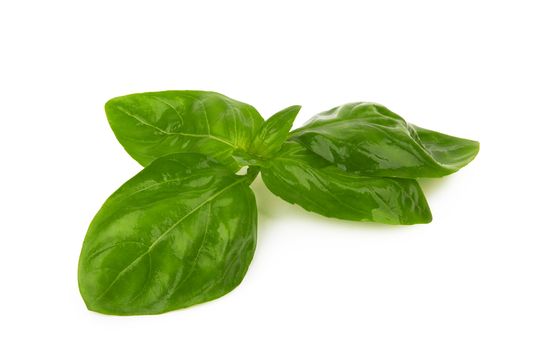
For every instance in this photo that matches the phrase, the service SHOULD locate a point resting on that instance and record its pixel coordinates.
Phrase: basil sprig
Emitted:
(183, 230)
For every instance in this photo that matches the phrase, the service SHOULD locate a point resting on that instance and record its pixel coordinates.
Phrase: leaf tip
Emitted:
(295, 108)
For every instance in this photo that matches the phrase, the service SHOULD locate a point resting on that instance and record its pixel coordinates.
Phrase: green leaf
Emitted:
(301, 177)
(372, 140)
(179, 233)
(274, 132)
(153, 124)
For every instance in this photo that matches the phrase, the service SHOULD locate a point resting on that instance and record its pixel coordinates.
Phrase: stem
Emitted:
(252, 173)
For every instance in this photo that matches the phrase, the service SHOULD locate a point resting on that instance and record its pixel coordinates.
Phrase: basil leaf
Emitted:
(301, 177)
(153, 124)
(274, 132)
(370, 139)
(179, 233)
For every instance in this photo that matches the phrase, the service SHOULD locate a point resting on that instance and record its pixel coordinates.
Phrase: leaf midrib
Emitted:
(140, 120)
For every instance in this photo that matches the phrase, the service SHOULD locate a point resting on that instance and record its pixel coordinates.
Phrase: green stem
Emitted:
(252, 173)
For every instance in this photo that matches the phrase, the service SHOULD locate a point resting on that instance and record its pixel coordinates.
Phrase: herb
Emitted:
(183, 230)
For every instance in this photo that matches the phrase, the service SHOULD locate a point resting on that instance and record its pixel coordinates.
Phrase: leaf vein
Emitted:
(163, 235)
(162, 131)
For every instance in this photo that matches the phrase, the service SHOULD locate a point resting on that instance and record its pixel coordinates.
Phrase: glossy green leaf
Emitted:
(372, 140)
(274, 132)
(153, 124)
(301, 177)
(179, 233)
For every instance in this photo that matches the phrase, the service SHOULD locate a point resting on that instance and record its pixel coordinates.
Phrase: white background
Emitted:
(472, 279)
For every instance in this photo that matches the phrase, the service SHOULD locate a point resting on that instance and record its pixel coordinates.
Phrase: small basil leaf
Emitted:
(274, 132)
(370, 139)
(301, 177)
(179, 233)
(153, 124)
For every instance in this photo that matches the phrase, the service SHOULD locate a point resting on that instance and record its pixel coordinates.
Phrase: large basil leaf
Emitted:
(153, 124)
(180, 232)
(299, 176)
(274, 132)
(370, 139)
